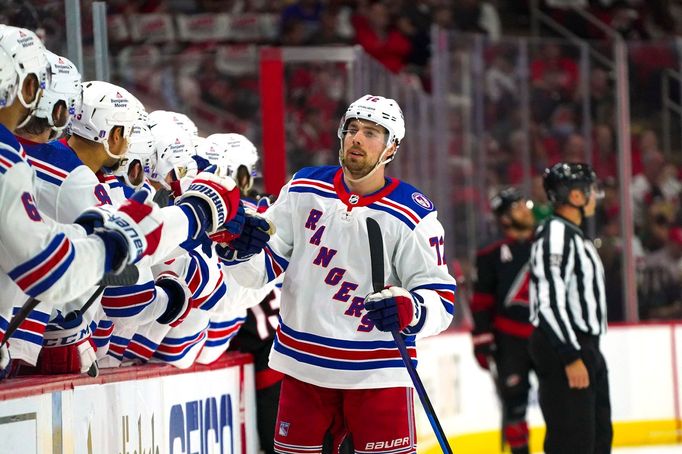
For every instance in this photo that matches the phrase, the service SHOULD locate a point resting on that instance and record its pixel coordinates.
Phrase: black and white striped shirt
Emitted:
(567, 294)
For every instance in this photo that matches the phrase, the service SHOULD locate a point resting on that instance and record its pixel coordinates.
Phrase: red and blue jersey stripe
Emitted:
(197, 274)
(47, 172)
(140, 347)
(11, 151)
(340, 354)
(4, 323)
(101, 335)
(32, 328)
(117, 347)
(41, 272)
(446, 293)
(120, 302)
(274, 264)
(208, 302)
(220, 333)
(173, 349)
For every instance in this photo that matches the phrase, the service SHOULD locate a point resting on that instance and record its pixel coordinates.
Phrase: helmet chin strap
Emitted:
(379, 163)
(105, 144)
(32, 107)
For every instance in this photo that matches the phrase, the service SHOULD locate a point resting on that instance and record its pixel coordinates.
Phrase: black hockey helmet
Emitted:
(561, 178)
(503, 200)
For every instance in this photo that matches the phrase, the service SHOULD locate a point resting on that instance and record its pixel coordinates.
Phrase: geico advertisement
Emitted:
(204, 412)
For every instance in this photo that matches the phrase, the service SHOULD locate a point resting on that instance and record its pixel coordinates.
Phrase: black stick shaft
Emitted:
(128, 276)
(376, 253)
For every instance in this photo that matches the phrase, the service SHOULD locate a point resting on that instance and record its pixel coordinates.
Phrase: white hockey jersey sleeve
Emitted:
(421, 268)
(79, 191)
(269, 264)
(46, 260)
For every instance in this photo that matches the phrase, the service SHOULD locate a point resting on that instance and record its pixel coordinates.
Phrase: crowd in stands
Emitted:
(207, 67)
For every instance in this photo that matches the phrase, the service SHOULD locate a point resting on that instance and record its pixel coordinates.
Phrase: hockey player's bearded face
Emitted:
(521, 215)
(363, 143)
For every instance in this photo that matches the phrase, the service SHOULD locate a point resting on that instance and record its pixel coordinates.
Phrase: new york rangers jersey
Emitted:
(65, 187)
(324, 337)
(49, 261)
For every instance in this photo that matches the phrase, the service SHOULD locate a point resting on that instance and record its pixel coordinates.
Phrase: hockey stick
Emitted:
(128, 276)
(376, 253)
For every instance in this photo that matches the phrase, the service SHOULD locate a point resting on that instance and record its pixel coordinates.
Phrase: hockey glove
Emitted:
(254, 237)
(211, 201)
(202, 163)
(394, 308)
(129, 232)
(179, 299)
(484, 346)
(231, 230)
(5, 360)
(67, 346)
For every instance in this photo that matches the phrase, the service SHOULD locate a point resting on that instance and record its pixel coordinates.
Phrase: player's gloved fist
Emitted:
(5, 361)
(255, 235)
(179, 298)
(67, 346)
(393, 309)
(210, 200)
(232, 229)
(129, 232)
(484, 346)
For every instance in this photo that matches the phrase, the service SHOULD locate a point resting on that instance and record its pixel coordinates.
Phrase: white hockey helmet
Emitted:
(176, 118)
(383, 111)
(28, 57)
(173, 152)
(9, 80)
(140, 148)
(64, 86)
(105, 106)
(142, 114)
(209, 150)
(239, 151)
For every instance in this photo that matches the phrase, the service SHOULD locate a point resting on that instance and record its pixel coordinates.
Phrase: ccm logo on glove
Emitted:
(67, 340)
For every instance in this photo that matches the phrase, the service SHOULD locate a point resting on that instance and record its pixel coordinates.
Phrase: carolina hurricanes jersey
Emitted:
(46, 260)
(324, 336)
(501, 292)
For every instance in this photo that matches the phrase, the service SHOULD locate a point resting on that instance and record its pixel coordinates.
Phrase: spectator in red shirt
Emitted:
(554, 71)
(604, 152)
(377, 35)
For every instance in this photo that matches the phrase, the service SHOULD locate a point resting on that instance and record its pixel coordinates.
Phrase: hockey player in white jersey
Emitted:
(334, 343)
(233, 154)
(43, 259)
(250, 331)
(198, 269)
(99, 137)
(59, 101)
(164, 299)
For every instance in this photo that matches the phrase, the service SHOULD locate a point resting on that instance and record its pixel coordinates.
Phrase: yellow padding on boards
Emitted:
(631, 433)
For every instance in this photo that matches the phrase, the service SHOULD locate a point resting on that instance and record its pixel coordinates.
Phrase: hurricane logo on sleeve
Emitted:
(422, 201)
(283, 429)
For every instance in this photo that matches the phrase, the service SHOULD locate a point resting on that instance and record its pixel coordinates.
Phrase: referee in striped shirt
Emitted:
(568, 305)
